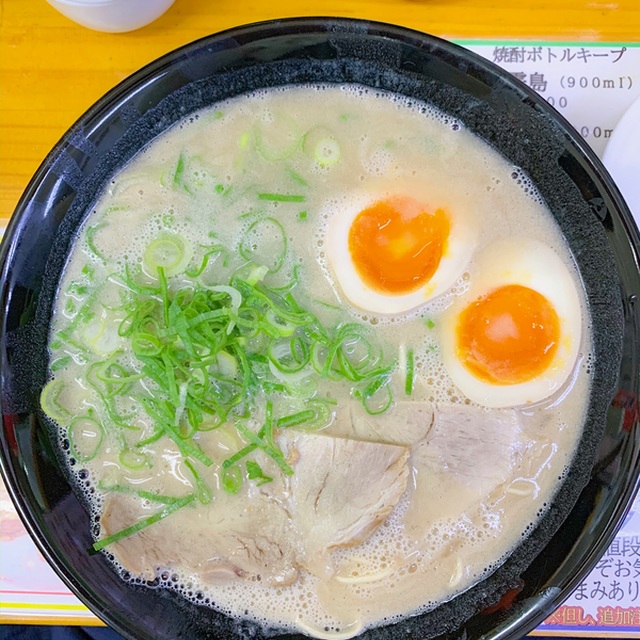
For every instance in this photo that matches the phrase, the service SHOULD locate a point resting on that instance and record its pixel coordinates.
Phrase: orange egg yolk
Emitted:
(396, 244)
(508, 336)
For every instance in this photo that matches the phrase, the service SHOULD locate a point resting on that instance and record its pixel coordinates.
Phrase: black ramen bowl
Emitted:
(594, 494)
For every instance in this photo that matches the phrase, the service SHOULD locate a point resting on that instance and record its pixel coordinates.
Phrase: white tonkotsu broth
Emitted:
(435, 492)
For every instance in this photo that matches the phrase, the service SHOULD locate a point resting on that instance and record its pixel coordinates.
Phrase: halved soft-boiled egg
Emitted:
(514, 337)
(392, 251)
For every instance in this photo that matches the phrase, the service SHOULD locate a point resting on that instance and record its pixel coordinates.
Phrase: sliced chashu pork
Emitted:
(406, 423)
(219, 541)
(476, 447)
(468, 454)
(341, 491)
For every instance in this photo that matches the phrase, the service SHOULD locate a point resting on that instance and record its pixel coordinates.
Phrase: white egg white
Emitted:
(535, 265)
(458, 251)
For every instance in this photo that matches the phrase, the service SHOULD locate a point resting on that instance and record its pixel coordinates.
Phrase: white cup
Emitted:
(112, 15)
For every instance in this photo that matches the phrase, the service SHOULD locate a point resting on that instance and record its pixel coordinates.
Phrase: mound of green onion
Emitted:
(209, 355)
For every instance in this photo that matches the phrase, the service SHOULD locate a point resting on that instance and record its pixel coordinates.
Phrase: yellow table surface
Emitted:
(52, 70)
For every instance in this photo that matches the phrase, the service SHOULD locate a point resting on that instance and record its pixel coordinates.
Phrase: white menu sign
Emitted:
(590, 85)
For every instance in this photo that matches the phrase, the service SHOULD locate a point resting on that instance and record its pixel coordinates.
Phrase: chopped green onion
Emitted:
(256, 274)
(83, 315)
(409, 373)
(255, 472)
(91, 240)
(269, 447)
(96, 379)
(136, 287)
(297, 177)
(231, 480)
(203, 492)
(289, 356)
(376, 403)
(132, 459)
(245, 451)
(227, 364)
(189, 175)
(85, 437)
(114, 375)
(281, 197)
(376, 397)
(165, 422)
(243, 141)
(144, 523)
(141, 493)
(265, 242)
(179, 172)
(215, 250)
(169, 251)
(274, 145)
(50, 401)
(327, 152)
(145, 344)
(296, 419)
(60, 363)
(287, 287)
(77, 289)
(321, 145)
(313, 419)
